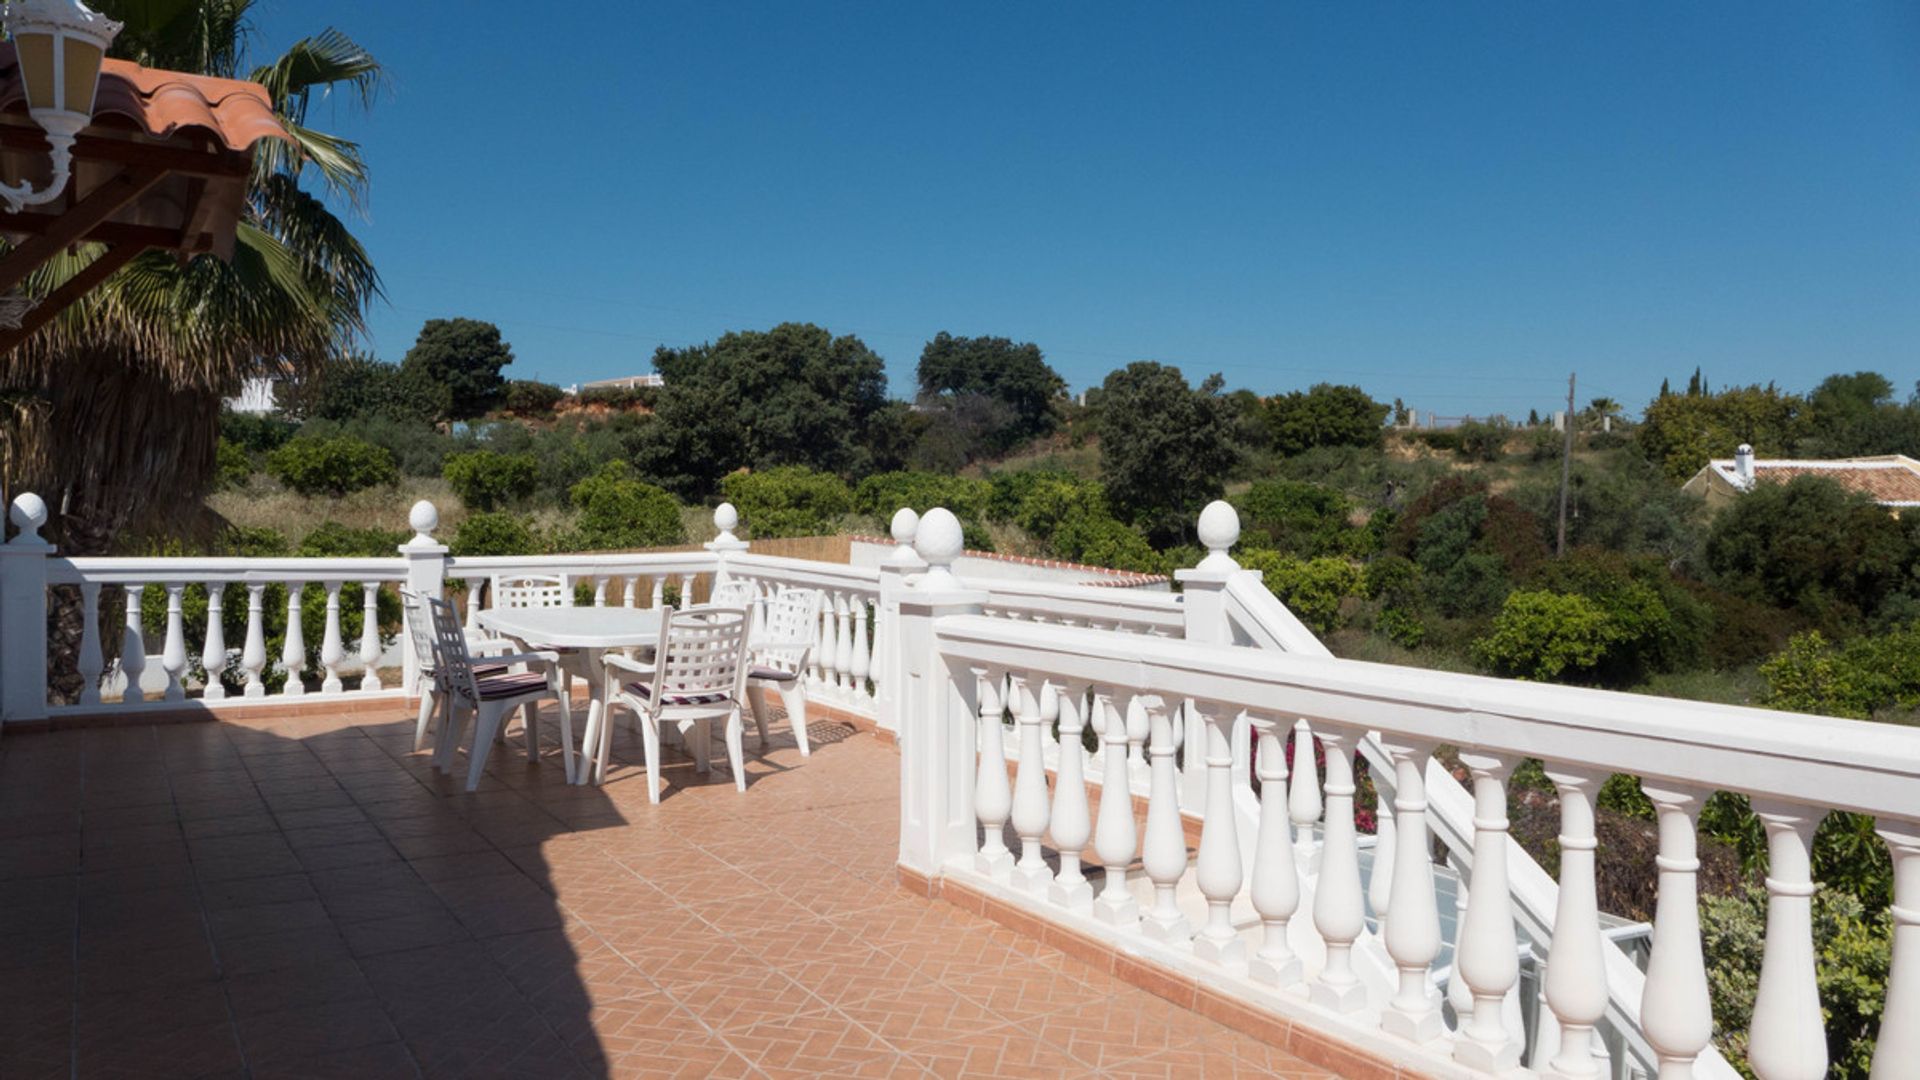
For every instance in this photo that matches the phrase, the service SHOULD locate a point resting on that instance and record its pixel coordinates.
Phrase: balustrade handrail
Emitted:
(1086, 603)
(653, 562)
(1813, 760)
(805, 572)
(200, 569)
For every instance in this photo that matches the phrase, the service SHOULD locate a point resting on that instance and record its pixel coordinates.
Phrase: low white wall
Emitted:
(869, 553)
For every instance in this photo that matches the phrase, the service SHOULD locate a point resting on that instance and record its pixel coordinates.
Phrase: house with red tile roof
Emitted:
(1892, 480)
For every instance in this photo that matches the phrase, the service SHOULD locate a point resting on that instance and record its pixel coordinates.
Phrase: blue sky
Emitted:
(1451, 204)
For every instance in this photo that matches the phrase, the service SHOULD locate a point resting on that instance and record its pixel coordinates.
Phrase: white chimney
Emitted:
(1743, 466)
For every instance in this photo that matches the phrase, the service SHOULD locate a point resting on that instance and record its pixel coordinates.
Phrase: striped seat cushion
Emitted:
(506, 686)
(772, 674)
(643, 691)
(488, 671)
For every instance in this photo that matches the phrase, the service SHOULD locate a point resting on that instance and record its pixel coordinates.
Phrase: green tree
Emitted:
(1165, 446)
(1325, 415)
(527, 397)
(1547, 636)
(1683, 432)
(332, 466)
(486, 480)
(465, 356)
(995, 368)
(788, 501)
(616, 510)
(1299, 518)
(494, 533)
(1311, 588)
(793, 395)
(357, 387)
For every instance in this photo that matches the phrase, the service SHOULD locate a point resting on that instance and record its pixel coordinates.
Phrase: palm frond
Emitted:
(320, 64)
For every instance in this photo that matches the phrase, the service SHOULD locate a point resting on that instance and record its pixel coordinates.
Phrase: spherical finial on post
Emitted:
(1219, 531)
(906, 524)
(28, 514)
(424, 519)
(726, 519)
(939, 540)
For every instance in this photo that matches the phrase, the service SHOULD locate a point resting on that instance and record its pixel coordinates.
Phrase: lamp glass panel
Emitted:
(36, 68)
(82, 74)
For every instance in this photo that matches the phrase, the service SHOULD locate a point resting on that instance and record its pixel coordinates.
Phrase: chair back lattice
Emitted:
(702, 656)
(452, 664)
(790, 628)
(734, 592)
(420, 629)
(531, 591)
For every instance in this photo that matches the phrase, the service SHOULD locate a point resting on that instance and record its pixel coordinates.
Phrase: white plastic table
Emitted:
(589, 632)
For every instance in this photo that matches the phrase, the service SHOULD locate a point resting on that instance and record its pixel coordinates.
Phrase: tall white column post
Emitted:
(23, 613)
(1205, 605)
(938, 710)
(888, 668)
(426, 576)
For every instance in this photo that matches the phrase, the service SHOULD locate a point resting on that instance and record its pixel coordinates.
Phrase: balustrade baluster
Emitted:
(659, 591)
(686, 589)
(600, 590)
(293, 652)
(370, 636)
(332, 652)
(1303, 794)
(1337, 906)
(1072, 824)
(1576, 979)
(1219, 872)
(829, 648)
(92, 663)
(843, 642)
(472, 625)
(632, 583)
(213, 655)
(1486, 957)
(1029, 792)
(1676, 1014)
(1413, 933)
(173, 654)
(1385, 833)
(1049, 717)
(1138, 729)
(1788, 1039)
(133, 646)
(992, 795)
(1115, 839)
(1898, 1048)
(1275, 885)
(1164, 855)
(862, 663)
(253, 657)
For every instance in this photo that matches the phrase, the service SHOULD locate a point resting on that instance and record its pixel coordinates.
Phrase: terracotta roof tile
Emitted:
(1889, 483)
(160, 103)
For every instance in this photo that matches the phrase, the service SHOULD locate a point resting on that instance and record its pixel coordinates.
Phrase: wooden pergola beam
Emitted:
(212, 163)
(69, 291)
(74, 225)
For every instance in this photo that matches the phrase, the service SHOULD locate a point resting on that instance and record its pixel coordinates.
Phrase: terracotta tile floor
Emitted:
(305, 898)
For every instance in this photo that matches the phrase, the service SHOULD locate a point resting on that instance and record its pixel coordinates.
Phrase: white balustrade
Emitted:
(861, 663)
(600, 590)
(472, 623)
(1116, 837)
(1898, 1050)
(293, 651)
(370, 637)
(253, 657)
(173, 655)
(1676, 1014)
(1164, 852)
(1413, 931)
(1576, 981)
(1070, 822)
(133, 646)
(1303, 794)
(1218, 872)
(1486, 955)
(1030, 811)
(992, 796)
(1337, 912)
(843, 642)
(1275, 884)
(659, 598)
(333, 652)
(92, 665)
(1787, 1040)
(213, 657)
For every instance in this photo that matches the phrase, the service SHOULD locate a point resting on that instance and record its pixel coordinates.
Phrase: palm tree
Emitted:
(112, 410)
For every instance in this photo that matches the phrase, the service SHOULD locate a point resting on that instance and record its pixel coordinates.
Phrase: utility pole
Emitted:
(1566, 464)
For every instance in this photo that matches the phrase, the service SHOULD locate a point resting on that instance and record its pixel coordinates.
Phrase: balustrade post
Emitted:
(92, 663)
(293, 650)
(599, 590)
(253, 657)
(1385, 833)
(173, 653)
(333, 651)
(1897, 1051)
(1275, 886)
(427, 578)
(1788, 1039)
(1138, 729)
(1576, 979)
(658, 599)
(1338, 910)
(23, 614)
(1164, 854)
(940, 706)
(1676, 1013)
(1219, 871)
(1413, 933)
(1486, 956)
(993, 794)
(1116, 837)
(862, 662)
(1071, 823)
(843, 642)
(888, 671)
(213, 656)
(133, 644)
(1303, 796)
(1030, 811)
(370, 636)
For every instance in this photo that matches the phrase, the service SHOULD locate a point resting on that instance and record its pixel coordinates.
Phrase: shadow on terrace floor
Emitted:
(305, 898)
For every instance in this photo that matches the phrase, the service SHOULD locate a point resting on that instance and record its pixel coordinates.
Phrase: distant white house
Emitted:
(625, 382)
(255, 397)
(1892, 480)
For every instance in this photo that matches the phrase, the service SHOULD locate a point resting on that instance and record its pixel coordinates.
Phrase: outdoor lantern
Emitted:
(60, 44)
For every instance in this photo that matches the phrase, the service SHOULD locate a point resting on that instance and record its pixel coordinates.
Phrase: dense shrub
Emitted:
(1300, 519)
(619, 511)
(1654, 623)
(232, 468)
(788, 501)
(1102, 540)
(1311, 588)
(486, 480)
(254, 433)
(526, 397)
(1470, 546)
(1547, 636)
(495, 533)
(884, 493)
(1326, 415)
(1865, 675)
(620, 397)
(1483, 440)
(331, 466)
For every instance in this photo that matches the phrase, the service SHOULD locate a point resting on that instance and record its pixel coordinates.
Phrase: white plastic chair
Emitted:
(490, 699)
(531, 591)
(697, 676)
(432, 697)
(779, 653)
